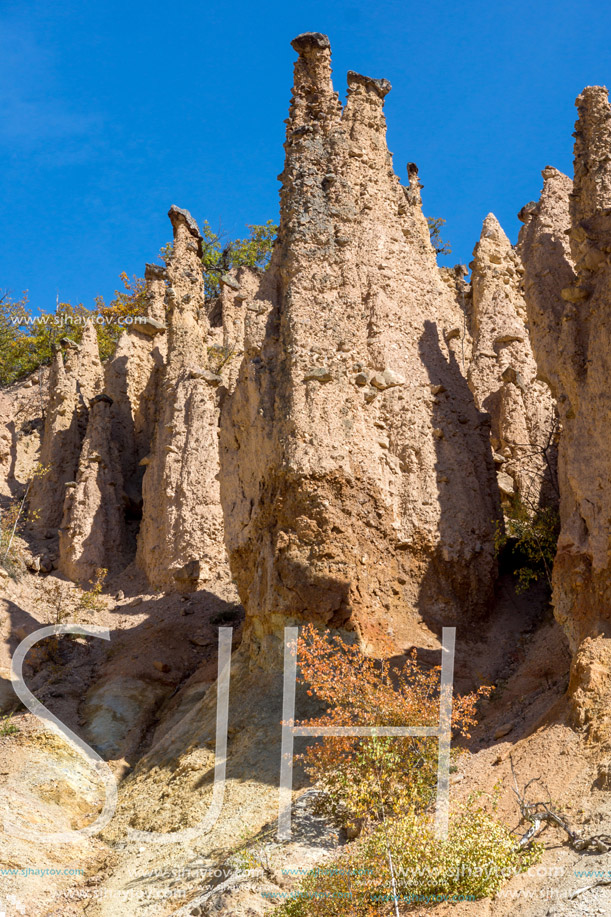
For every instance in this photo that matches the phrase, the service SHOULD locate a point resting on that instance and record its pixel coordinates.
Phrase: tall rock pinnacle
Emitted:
(568, 295)
(92, 534)
(356, 472)
(181, 536)
(503, 373)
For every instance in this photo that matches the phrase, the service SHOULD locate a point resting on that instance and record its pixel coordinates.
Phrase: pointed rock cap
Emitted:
(89, 342)
(492, 229)
(57, 370)
(181, 217)
(380, 87)
(310, 41)
(102, 397)
(155, 271)
(550, 172)
(592, 98)
(178, 215)
(527, 211)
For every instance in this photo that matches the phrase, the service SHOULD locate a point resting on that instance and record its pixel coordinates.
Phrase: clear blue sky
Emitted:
(111, 110)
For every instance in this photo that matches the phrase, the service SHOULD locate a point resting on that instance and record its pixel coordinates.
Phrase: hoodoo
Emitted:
(356, 471)
(568, 288)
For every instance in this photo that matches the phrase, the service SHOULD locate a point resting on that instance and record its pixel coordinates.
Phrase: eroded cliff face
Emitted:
(74, 380)
(356, 471)
(568, 294)
(333, 424)
(132, 380)
(92, 534)
(181, 536)
(503, 374)
(60, 448)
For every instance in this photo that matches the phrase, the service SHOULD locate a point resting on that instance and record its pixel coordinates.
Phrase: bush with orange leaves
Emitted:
(366, 779)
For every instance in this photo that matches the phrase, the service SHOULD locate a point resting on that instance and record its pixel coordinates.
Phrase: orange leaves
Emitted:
(362, 776)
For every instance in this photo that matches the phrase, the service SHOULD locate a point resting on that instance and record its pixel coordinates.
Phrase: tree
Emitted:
(28, 340)
(441, 247)
(388, 785)
(253, 251)
(361, 777)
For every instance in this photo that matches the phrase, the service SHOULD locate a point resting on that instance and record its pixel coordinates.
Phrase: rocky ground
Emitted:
(146, 701)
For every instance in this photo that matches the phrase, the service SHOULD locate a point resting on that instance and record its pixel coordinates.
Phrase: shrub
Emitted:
(531, 535)
(402, 860)
(389, 785)
(441, 247)
(360, 777)
(29, 340)
(253, 251)
(7, 727)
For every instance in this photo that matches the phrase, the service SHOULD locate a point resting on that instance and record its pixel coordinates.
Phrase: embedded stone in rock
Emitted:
(506, 484)
(387, 379)
(157, 271)
(318, 374)
(149, 326)
(205, 374)
(230, 281)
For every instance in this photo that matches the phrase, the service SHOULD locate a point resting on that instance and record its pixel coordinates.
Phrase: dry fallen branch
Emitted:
(540, 815)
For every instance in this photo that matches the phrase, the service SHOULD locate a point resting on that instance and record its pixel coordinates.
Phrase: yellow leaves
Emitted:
(359, 776)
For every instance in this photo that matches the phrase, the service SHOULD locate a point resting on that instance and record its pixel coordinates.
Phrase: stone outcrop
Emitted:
(92, 533)
(181, 536)
(503, 374)
(60, 448)
(73, 382)
(356, 471)
(132, 380)
(88, 370)
(568, 295)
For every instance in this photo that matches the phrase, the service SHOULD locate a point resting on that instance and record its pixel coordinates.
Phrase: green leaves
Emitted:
(253, 251)
(532, 536)
(441, 247)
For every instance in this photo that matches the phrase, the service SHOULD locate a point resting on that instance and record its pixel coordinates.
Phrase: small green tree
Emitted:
(531, 535)
(441, 247)
(254, 250)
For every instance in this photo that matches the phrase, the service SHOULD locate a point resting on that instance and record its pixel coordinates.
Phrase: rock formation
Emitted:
(503, 373)
(60, 447)
(572, 335)
(132, 380)
(70, 388)
(356, 471)
(88, 370)
(92, 533)
(181, 535)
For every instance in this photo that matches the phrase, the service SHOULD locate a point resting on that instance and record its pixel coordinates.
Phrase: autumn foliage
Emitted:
(385, 788)
(362, 777)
